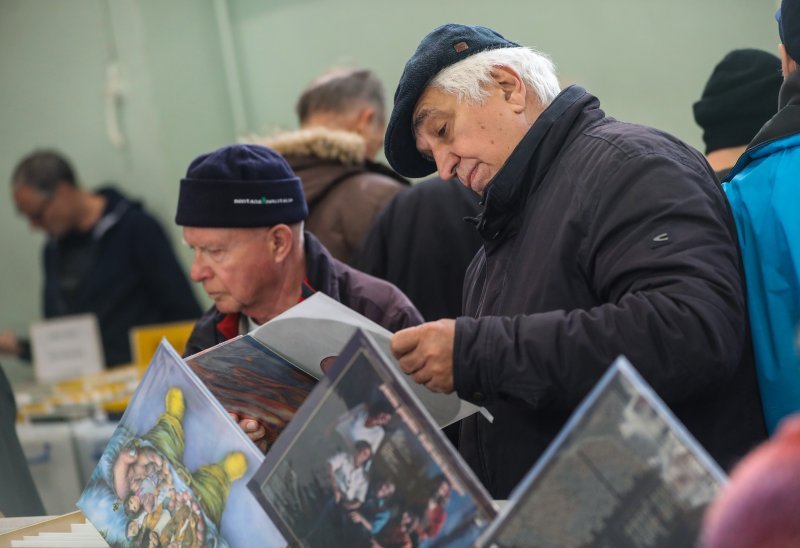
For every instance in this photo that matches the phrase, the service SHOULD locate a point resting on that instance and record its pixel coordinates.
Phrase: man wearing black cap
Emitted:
(600, 238)
(739, 97)
(764, 192)
(242, 209)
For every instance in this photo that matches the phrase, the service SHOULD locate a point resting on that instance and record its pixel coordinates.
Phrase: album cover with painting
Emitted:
(176, 469)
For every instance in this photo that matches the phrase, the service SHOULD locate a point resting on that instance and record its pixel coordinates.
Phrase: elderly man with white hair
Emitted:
(600, 238)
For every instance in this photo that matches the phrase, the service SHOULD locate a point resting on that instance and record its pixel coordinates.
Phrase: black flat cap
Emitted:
(442, 47)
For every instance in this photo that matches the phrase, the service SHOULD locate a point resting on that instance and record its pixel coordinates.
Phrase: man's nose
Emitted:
(199, 270)
(446, 163)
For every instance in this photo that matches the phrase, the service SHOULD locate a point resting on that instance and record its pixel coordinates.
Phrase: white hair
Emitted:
(468, 79)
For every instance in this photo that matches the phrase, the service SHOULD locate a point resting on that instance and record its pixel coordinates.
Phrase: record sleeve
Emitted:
(364, 464)
(175, 470)
(623, 472)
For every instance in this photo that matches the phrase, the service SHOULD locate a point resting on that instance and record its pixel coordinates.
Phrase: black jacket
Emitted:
(376, 299)
(133, 277)
(601, 238)
(421, 243)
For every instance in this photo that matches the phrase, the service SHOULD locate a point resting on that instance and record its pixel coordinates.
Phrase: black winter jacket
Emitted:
(601, 238)
(421, 243)
(133, 277)
(376, 299)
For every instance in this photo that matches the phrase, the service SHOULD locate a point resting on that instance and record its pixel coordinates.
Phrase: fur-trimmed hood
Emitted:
(344, 190)
(345, 147)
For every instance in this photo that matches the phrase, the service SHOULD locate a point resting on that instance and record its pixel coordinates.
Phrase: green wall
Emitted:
(197, 74)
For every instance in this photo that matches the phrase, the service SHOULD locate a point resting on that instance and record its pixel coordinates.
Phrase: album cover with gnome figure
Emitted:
(175, 471)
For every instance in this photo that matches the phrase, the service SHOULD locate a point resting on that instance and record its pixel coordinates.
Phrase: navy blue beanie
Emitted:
(442, 47)
(240, 186)
(788, 17)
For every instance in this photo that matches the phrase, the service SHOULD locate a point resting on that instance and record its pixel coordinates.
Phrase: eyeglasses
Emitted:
(38, 215)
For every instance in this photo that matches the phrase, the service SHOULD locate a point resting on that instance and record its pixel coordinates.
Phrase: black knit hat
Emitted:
(739, 97)
(444, 46)
(788, 17)
(240, 186)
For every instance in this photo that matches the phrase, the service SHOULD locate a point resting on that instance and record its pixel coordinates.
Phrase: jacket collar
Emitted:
(345, 147)
(527, 165)
(320, 266)
(787, 121)
(784, 124)
(117, 206)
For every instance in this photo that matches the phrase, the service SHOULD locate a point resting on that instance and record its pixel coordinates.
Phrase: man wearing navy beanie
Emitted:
(242, 211)
(764, 192)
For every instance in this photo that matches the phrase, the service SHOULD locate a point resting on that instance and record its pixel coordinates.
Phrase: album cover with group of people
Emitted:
(363, 464)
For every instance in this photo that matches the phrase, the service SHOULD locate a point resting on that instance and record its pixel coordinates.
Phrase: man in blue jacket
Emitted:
(764, 192)
(104, 255)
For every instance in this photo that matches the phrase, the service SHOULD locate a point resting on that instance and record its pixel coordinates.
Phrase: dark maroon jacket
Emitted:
(376, 299)
(601, 238)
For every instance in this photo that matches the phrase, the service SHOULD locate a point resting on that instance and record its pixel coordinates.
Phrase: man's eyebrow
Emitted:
(419, 117)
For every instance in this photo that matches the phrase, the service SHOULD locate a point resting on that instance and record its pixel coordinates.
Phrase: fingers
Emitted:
(406, 340)
(253, 429)
(422, 376)
(411, 364)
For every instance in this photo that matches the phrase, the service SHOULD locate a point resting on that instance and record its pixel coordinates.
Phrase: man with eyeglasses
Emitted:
(104, 255)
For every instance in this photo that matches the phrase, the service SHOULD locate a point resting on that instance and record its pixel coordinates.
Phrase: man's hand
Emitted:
(254, 430)
(426, 353)
(9, 344)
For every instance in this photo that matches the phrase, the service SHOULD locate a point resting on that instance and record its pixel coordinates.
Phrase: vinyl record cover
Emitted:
(363, 464)
(175, 471)
(317, 329)
(622, 472)
(251, 380)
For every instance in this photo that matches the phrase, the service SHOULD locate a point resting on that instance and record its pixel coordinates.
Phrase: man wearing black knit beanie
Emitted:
(740, 96)
(242, 210)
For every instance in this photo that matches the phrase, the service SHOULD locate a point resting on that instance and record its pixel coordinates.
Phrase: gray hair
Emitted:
(467, 79)
(43, 171)
(340, 90)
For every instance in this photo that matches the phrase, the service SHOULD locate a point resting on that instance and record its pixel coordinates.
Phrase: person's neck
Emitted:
(724, 158)
(89, 210)
(327, 120)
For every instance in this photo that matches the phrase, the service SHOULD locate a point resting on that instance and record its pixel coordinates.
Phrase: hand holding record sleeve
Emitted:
(425, 352)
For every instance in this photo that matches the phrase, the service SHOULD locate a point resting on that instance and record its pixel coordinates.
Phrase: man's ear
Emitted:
(281, 242)
(512, 86)
(788, 65)
(62, 188)
(365, 118)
